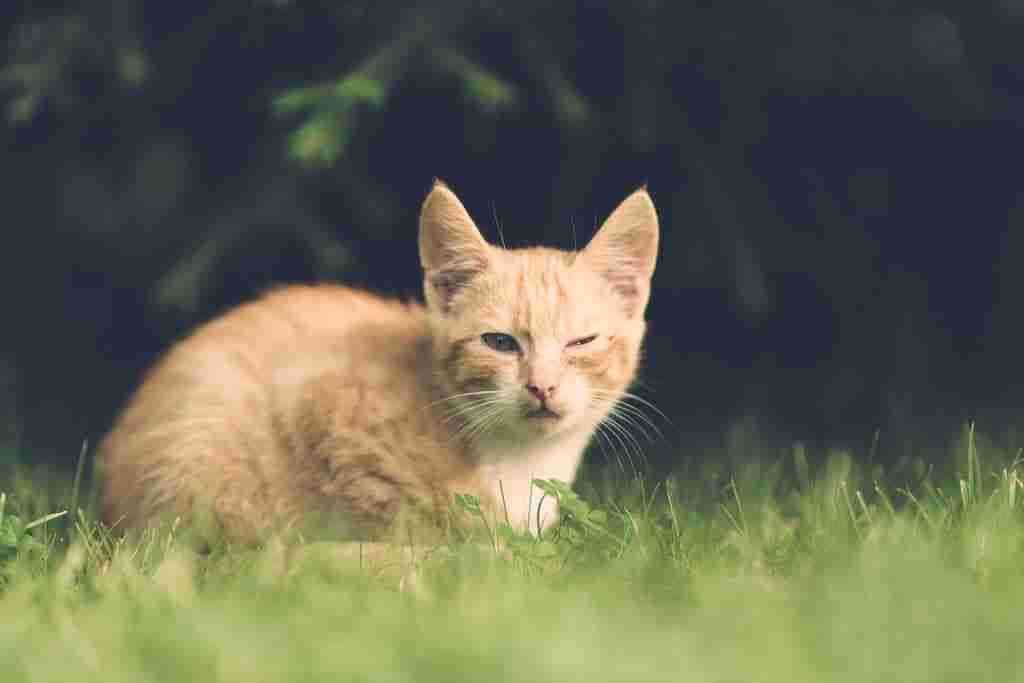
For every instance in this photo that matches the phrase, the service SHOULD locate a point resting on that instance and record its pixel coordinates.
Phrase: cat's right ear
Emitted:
(452, 250)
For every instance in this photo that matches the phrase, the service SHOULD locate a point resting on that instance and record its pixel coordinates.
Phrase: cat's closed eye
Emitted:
(582, 341)
(498, 341)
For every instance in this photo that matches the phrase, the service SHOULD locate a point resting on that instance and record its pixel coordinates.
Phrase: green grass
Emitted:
(779, 567)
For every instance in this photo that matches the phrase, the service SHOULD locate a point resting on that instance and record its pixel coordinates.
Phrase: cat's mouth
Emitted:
(543, 413)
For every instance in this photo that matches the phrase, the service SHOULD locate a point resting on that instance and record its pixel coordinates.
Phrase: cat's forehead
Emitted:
(545, 292)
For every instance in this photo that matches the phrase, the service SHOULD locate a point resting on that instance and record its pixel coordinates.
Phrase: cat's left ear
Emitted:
(625, 249)
(452, 250)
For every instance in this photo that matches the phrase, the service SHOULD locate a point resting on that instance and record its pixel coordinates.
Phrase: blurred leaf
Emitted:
(360, 88)
(468, 502)
(355, 89)
(10, 532)
(23, 108)
(22, 74)
(48, 57)
(481, 86)
(181, 288)
(30, 82)
(133, 66)
(321, 139)
(333, 109)
(570, 105)
(300, 99)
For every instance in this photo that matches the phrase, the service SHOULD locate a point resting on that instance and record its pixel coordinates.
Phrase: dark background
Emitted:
(839, 186)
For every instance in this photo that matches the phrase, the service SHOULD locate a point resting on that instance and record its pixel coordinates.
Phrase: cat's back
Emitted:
(211, 410)
(286, 335)
(289, 317)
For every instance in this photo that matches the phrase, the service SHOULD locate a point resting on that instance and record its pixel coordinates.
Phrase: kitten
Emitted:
(325, 406)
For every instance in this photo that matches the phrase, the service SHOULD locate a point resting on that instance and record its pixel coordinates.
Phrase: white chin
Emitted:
(546, 425)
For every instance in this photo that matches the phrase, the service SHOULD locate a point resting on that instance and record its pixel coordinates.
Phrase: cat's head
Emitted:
(535, 342)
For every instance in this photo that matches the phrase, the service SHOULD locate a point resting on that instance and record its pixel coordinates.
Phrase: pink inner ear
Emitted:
(447, 283)
(628, 287)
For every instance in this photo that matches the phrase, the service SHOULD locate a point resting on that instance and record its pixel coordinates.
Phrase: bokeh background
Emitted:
(840, 190)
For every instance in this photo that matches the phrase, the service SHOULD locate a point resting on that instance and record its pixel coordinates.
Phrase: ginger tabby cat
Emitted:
(324, 407)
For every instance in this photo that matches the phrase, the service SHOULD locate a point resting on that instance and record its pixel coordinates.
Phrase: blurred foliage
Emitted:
(332, 109)
(836, 184)
(48, 54)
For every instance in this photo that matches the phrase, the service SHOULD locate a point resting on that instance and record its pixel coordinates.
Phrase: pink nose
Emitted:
(542, 393)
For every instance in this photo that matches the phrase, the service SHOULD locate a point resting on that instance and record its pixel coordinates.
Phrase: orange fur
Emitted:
(330, 408)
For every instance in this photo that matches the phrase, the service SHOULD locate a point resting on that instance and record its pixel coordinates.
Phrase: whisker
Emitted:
(623, 398)
(497, 223)
(637, 417)
(479, 424)
(605, 439)
(615, 422)
(479, 410)
(627, 422)
(602, 440)
(624, 410)
(616, 432)
(467, 394)
(644, 401)
(461, 411)
(626, 446)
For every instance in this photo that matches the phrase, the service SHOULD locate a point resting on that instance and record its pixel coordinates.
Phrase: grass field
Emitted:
(779, 567)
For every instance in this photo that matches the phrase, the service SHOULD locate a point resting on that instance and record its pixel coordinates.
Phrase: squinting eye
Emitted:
(505, 343)
(582, 340)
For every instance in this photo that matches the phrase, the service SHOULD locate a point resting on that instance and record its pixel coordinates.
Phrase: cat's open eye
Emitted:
(505, 343)
(582, 341)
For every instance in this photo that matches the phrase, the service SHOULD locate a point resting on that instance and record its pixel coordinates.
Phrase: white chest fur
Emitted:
(509, 470)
